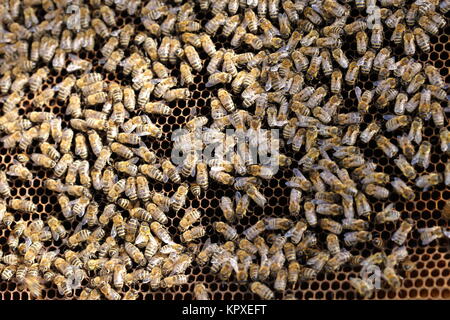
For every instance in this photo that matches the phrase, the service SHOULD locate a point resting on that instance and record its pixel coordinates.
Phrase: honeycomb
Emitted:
(430, 279)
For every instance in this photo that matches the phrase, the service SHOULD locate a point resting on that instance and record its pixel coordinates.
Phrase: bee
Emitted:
(398, 33)
(189, 218)
(113, 60)
(314, 67)
(400, 236)
(352, 73)
(193, 58)
(177, 94)
(437, 114)
(162, 201)
(406, 146)
(43, 98)
(330, 225)
(427, 181)
(405, 167)
(422, 39)
(262, 291)
(422, 157)
(215, 23)
(175, 280)
(193, 233)
(135, 254)
(444, 137)
(8, 272)
(109, 47)
(253, 231)
(142, 186)
(179, 198)
(155, 212)
(352, 238)
(109, 292)
(20, 171)
(447, 176)
(100, 27)
(427, 24)
(408, 43)
(200, 292)
(428, 235)
(434, 76)
(371, 130)
(366, 62)
(22, 205)
(392, 278)
(395, 122)
(389, 149)
(377, 36)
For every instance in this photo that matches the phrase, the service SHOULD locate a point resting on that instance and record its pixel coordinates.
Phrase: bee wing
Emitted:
(388, 116)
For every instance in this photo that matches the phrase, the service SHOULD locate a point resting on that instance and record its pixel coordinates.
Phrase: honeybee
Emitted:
(447, 175)
(189, 218)
(175, 280)
(43, 98)
(4, 186)
(200, 292)
(398, 33)
(389, 149)
(377, 36)
(399, 237)
(392, 278)
(405, 167)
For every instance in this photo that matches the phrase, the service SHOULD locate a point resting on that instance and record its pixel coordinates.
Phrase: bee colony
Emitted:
(354, 203)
